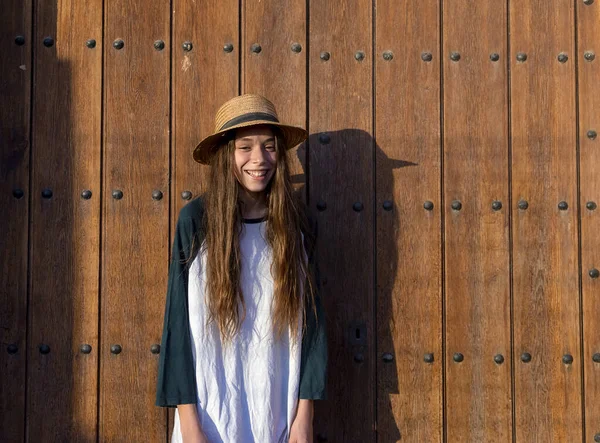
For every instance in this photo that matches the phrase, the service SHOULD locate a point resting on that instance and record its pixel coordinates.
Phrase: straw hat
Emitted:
(240, 112)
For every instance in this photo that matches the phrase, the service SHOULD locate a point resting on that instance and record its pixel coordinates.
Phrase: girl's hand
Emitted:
(302, 427)
(191, 432)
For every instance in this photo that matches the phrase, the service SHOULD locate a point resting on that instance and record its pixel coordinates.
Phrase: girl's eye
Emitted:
(270, 148)
(244, 148)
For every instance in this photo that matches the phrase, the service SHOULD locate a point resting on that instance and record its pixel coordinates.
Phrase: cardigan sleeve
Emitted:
(313, 360)
(176, 374)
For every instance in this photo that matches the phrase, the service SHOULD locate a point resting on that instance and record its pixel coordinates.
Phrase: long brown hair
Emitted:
(293, 286)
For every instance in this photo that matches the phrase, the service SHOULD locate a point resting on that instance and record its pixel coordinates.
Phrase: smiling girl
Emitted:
(243, 351)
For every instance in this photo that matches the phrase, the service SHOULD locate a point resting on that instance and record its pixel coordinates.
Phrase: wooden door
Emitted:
(452, 164)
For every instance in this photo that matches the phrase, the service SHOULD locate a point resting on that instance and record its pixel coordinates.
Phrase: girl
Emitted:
(243, 351)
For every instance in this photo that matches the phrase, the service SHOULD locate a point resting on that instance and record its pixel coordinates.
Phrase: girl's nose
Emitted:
(258, 156)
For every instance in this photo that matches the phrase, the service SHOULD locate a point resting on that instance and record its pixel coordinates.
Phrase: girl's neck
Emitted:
(254, 205)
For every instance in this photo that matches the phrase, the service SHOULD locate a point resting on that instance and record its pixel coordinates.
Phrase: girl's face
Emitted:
(255, 158)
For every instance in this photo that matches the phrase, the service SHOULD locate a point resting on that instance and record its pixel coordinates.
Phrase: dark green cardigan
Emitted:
(176, 373)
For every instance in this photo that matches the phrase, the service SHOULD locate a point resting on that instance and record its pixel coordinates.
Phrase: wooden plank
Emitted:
(477, 269)
(15, 90)
(588, 42)
(409, 304)
(135, 246)
(203, 79)
(545, 266)
(210, 26)
(279, 28)
(341, 175)
(64, 253)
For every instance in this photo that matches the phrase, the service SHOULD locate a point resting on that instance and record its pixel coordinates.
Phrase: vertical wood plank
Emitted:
(588, 44)
(477, 277)
(278, 71)
(135, 243)
(409, 308)
(545, 266)
(202, 79)
(64, 253)
(15, 90)
(341, 179)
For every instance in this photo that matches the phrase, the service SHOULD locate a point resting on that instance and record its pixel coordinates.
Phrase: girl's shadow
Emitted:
(350, 193)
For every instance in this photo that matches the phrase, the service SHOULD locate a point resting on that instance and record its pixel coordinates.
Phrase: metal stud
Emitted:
(596, 357)
(499, 359)
(387, 357)
(187, 46)
(588, 2)
(155, 348)
(426, 56)
(324, 138)
(186, 195)
(12, 349)
(321, 205)
(594, 273)
(428, 205)
(85, 349)
(47, 193)
(159, 45)
(296, 47)
(428, 358)
(91, 43)
(523, 204)
(388, 205)
(562, 57)
(456, 205)
(20, 40)
(358, 206)
(388, 56)
(496, 205)
(563, 206)
(228, 47)
(18, 193)
(359, 56)
(44, 349)
(157, 195)
(591, 134)
(589, 56)
(325, 56)
(86, 195)
(597, 436)
(526, 357)
(521, 57)
(494, 57)
(458, 357)
(567, 359)
(115, 349)
(117, 194)
(118, 44)
(359, 357)
(455, 56)
(48, 42)
(256, 48)
(591, 205)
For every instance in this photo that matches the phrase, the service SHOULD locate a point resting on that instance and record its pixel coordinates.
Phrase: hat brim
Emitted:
(292, 135)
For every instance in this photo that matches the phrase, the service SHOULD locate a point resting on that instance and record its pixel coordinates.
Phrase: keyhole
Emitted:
(357, 333)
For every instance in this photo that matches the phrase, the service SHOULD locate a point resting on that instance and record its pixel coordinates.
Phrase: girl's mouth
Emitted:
(256, 174)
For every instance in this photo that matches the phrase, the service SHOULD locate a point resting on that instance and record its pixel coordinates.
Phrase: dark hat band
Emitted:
(252, 116)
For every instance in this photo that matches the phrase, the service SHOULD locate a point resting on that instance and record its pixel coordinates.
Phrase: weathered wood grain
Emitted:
(340, 179)
(477, 273)
(545, 269)
(135, 227)
(15, 92)
(408, 173)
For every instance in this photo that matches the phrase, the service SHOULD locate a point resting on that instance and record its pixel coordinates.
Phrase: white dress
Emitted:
(247, 391)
